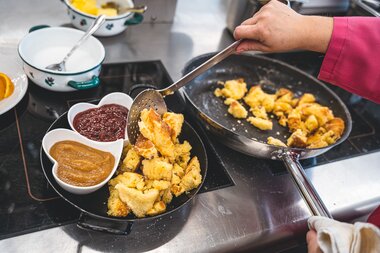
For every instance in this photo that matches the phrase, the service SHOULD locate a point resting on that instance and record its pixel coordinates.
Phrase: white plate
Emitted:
(21, 85)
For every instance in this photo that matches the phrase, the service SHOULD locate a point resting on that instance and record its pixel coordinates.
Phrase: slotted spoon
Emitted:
(154, 99)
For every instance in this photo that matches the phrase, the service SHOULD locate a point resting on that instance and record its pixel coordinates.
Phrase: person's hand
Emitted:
(312, 243)
(276, 27)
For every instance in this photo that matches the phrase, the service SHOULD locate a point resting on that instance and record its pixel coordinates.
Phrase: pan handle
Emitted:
(308, 192)
(118, 228)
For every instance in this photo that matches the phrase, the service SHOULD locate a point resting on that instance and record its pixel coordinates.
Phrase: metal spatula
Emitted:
(154, 99)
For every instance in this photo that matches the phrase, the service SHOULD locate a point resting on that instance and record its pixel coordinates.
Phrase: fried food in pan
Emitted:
(311, 124)
(152, 173)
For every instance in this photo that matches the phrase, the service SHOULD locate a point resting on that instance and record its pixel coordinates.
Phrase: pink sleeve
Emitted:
(352, 60)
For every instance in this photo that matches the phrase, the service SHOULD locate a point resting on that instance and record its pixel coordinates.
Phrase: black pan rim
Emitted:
(120, 219)
(262, 56)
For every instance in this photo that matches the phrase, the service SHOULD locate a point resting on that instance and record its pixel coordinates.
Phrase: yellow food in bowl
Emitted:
(6, 86)
(90, 7)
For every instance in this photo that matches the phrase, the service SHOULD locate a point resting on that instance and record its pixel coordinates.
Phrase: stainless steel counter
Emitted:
(262, 211)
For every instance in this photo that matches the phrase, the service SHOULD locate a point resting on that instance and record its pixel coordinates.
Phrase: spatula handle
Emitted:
(200, 69)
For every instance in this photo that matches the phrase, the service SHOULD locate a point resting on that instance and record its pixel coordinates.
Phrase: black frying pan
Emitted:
(247, 139)
(93, 206)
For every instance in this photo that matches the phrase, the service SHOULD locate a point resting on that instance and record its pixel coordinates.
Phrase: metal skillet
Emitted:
(245, 138)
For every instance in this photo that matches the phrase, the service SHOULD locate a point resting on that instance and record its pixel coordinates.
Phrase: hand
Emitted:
(312, 243)
(276, 27)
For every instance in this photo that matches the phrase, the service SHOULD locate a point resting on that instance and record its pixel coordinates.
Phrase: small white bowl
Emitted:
(61, 134)
(112, 98)
(112, 25)
(49, 45)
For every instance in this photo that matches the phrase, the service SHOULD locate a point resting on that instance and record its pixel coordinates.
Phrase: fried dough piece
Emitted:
(156, 130)
(282, 91)
(175, 122)
(316, 136)
(287, 98)
(158, 207)
(126, 148)
(116, 207)
(336, 125)
(294, 102)
(262, 124)
(157, 168)
(234, 89)
(274, 141)
(254, 96)
(268, 102)
(294, 121)
(182, 153)
(139, 202)
(157, 184)
(311, 123)
(322, 113)
(131, 161)
(145, 148)
(129, 179)
(167, 196)
(306, 98)
(259, 112)
(218, 92)
(297, 139)
(191, 180)
(236, 109)
(318, 144)
(279, 106)
(282, 120)
(318, 139)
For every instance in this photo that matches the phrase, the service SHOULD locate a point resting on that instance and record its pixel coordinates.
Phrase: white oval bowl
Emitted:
(46, 46)
(61, 134)
(112, 98)
(112, 25)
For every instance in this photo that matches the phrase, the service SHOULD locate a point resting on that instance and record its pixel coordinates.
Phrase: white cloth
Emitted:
(339, 237)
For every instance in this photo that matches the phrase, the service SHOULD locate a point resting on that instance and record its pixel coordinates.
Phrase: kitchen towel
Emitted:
(339, 237)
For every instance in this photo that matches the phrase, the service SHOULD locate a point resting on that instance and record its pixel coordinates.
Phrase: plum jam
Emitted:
(105, 123)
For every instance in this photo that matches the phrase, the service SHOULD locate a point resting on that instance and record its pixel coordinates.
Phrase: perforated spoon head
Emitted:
(57, 66)
(145, 100)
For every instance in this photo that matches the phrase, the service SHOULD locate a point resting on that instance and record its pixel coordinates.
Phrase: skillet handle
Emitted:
(118, 228)
(308, 192)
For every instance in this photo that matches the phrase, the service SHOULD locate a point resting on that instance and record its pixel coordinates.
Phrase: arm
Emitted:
(352, 60)
(351, 44)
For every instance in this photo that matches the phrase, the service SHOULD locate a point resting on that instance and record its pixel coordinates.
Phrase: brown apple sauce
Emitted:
(81, 165)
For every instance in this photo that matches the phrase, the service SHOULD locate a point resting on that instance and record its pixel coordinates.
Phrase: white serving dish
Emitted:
(112, 98)
(112, 25)
(45, 46)
(61, 134)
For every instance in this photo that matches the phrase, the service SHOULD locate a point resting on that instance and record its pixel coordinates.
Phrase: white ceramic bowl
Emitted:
(112, 25)
(60, 134)
(112, 98)
(43, 47)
